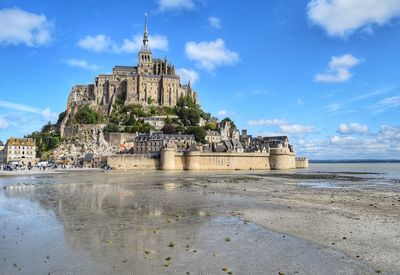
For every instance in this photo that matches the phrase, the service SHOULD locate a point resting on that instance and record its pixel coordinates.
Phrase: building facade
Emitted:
(20, 149)
(152, 143)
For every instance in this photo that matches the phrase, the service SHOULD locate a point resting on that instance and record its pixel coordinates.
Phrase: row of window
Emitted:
(21, 152)
(23, 147)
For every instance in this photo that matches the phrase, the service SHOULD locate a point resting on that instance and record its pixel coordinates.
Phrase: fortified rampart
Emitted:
(133, 162)
(301, 162)
(281, 159)
(170, 160)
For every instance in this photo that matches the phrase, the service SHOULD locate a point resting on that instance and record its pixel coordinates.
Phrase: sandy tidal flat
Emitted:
(197, 223)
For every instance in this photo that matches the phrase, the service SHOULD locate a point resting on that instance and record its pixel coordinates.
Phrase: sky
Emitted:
(324, 72)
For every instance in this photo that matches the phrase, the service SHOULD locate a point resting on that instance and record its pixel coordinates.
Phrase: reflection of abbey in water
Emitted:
(118, 218)
(152, 81)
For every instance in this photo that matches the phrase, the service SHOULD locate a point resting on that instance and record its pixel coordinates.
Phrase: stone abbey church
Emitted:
(152, 81)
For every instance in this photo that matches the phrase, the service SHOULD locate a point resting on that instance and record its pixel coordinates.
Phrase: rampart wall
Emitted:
(133, 162)
(301, 162)
(170, 160)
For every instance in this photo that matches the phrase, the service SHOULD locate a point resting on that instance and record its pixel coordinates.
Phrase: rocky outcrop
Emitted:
(80, 140)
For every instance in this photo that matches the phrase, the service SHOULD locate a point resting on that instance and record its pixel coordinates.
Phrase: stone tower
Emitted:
(145, 65)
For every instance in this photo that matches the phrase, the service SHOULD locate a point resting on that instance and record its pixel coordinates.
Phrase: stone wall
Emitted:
(133, 162)
(170, 160)
(301, 162)
(228, 161)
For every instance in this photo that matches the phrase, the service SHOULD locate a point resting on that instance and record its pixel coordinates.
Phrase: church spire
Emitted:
(145, 46)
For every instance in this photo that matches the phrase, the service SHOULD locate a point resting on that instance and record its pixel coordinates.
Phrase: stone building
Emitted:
(212, 137)
(21, 150)
(153, 81)
(152, 143)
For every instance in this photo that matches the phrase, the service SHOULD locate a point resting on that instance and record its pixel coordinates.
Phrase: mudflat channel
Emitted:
(198, 223)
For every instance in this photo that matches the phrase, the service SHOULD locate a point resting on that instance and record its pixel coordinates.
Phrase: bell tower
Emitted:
(145, 65)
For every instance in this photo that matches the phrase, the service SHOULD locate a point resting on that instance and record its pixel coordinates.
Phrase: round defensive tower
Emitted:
(193, 158)
(167, 158)
(281, 159)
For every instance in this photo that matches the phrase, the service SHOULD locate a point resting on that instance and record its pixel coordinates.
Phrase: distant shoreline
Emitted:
(354, 161)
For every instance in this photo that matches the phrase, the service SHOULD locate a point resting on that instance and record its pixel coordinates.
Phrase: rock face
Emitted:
(80, 140)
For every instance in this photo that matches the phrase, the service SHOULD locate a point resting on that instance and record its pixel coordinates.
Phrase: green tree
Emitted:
(198, 132)
(168, 120)
(112, 128)
(87, 115)
(150, 100)
(210, 126)
(188, 111)
(168, 129)
(227, 119)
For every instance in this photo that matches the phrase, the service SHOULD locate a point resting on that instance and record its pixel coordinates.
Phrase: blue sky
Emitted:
(312, 69)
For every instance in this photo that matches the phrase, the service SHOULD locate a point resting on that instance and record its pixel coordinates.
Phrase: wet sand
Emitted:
(196, 223)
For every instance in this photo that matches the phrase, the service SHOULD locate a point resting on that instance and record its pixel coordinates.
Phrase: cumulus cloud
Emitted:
(81, 63)
(379, 145)
(267, 122)
(3, 123)
(211, 54)
(174, 5)
(214, 22)
(352, 128)
(343, 17)
(103, 43)
(296, 129)
(22, 27)
(187, 74)
(46, 114)
(98, 43)
(338, 69)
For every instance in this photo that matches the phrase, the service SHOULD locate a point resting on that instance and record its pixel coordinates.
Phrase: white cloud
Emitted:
(45, 113)
(386, 104)
(21, 27)
(81, 63)
(267, 122)
(3, 123)
(296, 129)
(103, 43)
(187, 75)
(167, 5)
(211, 54)
(379, 145)
(224, 113)
(352, 128)
(214, 22)
(156, 42)
(343, 17)
(339, 69)
(390, 132)
(98, 43)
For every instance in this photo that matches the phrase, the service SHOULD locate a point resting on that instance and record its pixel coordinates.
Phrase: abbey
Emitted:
(152, 81)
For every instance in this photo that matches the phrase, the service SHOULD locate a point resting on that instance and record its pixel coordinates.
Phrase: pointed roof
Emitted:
(145, 46)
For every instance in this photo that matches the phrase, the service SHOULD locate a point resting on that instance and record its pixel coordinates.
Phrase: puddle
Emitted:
(318, 184)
